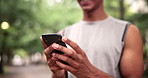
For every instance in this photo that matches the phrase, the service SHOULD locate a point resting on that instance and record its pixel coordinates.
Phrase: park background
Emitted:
(22, 22)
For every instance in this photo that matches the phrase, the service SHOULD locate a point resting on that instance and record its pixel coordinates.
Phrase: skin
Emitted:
(131, 63)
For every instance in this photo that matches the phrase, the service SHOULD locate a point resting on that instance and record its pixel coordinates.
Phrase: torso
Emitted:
(102, 42)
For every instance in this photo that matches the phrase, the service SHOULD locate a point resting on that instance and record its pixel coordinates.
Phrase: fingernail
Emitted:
(55, 46)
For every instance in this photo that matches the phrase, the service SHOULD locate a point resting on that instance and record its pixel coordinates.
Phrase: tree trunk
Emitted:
(121, 9)
(2, 51)
(1, 65)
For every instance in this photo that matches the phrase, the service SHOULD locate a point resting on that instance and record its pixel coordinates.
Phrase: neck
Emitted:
(95, 15)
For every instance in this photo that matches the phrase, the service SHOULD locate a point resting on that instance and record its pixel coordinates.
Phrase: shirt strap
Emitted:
(125, 31)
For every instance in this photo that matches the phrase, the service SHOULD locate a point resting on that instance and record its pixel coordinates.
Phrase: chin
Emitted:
(86, 9)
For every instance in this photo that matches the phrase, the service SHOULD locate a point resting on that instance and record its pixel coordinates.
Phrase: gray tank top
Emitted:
(102, 42)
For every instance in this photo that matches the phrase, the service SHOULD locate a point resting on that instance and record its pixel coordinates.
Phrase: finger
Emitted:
(66, 67)
(73, 45)
(65, 50)
(51, 62)
(48, 51)
(54, 69)
(67, 59)
(54, 66)
(43, 43)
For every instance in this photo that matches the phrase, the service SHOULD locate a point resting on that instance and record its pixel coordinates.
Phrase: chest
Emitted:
(97, 41)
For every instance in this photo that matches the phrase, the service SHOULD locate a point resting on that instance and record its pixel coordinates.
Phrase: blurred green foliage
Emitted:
(29, 19)
(21, 52)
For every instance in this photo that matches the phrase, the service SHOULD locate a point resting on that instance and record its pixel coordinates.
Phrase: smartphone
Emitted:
(54, 38)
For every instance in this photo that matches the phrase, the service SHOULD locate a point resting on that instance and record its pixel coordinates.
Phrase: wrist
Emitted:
(59, 74)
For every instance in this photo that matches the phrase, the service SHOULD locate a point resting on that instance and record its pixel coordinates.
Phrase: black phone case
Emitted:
(54, 38)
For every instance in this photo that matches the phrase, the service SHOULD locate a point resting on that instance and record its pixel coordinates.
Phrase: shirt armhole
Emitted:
(62, 32)
(125, 31)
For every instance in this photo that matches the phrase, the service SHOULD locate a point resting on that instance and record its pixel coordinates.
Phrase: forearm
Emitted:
(101, 74)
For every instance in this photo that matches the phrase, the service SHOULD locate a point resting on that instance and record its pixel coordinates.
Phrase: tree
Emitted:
(28, 20)
(20, 16)
(122, 9)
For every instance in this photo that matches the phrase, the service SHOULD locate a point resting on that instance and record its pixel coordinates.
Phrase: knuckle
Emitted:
(71, 52)
(80, 58)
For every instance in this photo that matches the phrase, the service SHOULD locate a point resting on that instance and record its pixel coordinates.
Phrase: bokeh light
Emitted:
(5, 25)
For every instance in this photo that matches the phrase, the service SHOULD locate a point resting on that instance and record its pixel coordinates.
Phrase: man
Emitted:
(101, 47)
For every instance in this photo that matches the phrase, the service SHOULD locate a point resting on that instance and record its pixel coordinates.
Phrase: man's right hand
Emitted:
(57, 71)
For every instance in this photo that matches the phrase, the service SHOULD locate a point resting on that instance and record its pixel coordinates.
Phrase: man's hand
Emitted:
(79, 64)
(57, 71)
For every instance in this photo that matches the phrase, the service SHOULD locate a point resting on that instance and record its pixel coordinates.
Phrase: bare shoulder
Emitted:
(133, 37)
(133, 29)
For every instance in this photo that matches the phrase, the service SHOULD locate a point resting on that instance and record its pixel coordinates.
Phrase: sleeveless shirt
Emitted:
(101, 41)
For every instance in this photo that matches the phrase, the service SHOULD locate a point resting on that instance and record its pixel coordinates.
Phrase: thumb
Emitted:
(43, 43)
